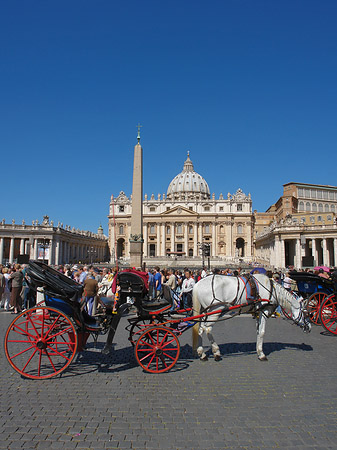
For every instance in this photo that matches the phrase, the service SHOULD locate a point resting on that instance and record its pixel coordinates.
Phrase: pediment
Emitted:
(179, 211)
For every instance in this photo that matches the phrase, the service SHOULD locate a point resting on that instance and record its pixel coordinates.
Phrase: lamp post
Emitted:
(43, 243)
(204, 249)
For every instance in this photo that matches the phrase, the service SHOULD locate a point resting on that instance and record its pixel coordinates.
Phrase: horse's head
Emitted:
(300, 315)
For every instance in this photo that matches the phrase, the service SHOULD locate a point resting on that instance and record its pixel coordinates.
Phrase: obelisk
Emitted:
(136, 234)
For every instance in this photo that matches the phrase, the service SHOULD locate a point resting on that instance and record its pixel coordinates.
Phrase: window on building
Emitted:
(152, 228)
(326, 208)
(301, 206)
(190, 252)
(332, 208)
(319, 194)
(152, 249)
(331, 195)
(179, 248)
(329, 217)
(121, 229)
(239, 207)
(206, 208)
(190, 208)
(319, 219)
(300, 192)
(307, 207)
(179, 228)
(320, 207)
(168, 230)
(121, 208)
(221, 208)
(190, 229)
(221, 228)
(314, 207)
(152, 208)
(167, 208)
(313, 193)
(325, 195)
(207, 229)
(239, 228)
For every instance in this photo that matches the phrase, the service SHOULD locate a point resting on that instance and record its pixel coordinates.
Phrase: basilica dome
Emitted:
(188, 184)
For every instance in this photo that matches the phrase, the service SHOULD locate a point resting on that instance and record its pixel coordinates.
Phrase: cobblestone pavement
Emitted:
(238, 402)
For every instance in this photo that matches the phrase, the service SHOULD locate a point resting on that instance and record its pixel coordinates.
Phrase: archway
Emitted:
(240, 247)
(120, 248)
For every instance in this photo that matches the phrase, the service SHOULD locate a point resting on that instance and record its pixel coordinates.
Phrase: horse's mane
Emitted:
(285, 298)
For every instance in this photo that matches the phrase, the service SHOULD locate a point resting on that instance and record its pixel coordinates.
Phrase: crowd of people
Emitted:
(97, 282)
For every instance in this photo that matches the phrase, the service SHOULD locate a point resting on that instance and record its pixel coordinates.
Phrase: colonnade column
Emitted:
(35, 249)
(313, 251)
(51, 251)
(325, 253)
(11, 251)
(57, 252)
(213, 249)
(186, 239)
(158, 239)
(334, 251)
(283, 255)
(163, 239)
(173, 232)
(22, 246)
(199, 232)
(195, 239)
(298, 262)
(1, 250)
(145, 244)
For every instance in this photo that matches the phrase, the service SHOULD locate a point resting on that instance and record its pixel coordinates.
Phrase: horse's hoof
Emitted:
(217, 358)
(205, 358)
(263, 358)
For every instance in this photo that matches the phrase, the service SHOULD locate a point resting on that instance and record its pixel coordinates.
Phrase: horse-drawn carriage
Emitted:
(42, 341)
(314, 289)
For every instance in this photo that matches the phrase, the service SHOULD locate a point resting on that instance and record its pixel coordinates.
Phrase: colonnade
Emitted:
(305, 251)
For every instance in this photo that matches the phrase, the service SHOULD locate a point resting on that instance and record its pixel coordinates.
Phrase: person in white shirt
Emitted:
(186, 290)
(287, 282)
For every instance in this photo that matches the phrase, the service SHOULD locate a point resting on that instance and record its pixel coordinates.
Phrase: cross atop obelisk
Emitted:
(138, 134)
(136, 235)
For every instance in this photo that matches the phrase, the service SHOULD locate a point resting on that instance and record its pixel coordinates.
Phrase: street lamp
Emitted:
(44, 244)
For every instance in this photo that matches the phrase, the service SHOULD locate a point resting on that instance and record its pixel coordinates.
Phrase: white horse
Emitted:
(219, 292)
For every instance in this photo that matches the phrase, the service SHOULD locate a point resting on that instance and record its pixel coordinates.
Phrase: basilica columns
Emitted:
(195, 239)
(1, 250)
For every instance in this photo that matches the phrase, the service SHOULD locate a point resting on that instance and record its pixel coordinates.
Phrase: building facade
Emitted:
(175, 224)
(300, 229)
(53, 244)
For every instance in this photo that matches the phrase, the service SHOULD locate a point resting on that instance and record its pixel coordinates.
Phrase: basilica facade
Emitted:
(178, 223)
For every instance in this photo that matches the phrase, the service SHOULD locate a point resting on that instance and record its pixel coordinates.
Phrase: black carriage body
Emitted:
(309, 283)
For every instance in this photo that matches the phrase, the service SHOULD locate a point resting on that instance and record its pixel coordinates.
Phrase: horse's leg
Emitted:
(215, 347)
(260, 327)
(200, 350)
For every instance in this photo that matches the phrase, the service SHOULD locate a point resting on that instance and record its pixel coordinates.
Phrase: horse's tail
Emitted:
(196, 311)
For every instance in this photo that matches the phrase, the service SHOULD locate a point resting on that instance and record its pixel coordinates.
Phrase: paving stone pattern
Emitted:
(239, 402)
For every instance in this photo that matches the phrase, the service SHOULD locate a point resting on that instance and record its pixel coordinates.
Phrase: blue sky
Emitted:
(248, 87)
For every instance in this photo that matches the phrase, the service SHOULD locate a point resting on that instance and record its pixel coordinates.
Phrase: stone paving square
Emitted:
(239, 402)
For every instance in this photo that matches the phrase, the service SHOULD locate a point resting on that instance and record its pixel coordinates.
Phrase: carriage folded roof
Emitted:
(42, 275)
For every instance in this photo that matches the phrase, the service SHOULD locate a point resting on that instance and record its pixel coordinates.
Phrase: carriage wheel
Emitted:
(41, 342)
(157, 349)
(138, 327)
(328, 314)
(313, 306)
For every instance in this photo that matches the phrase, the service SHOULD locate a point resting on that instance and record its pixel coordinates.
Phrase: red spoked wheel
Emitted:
(138, 327)
(41, 342)
(313, 306)
(157, 349)
(328, 314)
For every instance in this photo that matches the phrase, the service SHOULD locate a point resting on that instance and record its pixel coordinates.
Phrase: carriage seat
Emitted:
(156, 305)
